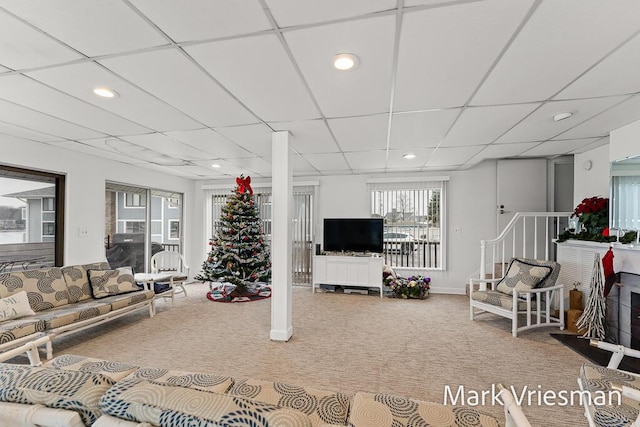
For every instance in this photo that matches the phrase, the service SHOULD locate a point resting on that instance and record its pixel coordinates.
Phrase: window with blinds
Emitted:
(302, 224)
(625, 202)
(413, 214)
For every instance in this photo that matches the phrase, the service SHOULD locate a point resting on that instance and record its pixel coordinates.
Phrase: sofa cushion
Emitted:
(77, 279)
(522, 276)
(114, 370)
(322, 407)
(19, 328)
(55, 388)
(162, 404)
(194, 380)
(500, 299)
(45, 287)
(62, 316)
(383, 410)
(120, 301)
(105, 283)
(15, 306)
(597, 380)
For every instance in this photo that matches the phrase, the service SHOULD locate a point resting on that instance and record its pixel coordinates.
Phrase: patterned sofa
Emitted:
(77, 391)
(65, 300)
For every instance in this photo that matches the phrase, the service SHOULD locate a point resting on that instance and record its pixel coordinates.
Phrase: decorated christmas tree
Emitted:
(238, 252)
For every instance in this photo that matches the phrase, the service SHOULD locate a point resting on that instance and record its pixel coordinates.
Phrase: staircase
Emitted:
(528, 235)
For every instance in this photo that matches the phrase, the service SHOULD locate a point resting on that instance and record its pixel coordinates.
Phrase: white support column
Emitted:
(281, 237)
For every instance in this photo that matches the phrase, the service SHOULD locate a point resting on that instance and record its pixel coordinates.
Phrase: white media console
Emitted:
(360, 271)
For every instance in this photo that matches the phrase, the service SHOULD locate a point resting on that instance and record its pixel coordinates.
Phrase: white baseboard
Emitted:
(447, 290)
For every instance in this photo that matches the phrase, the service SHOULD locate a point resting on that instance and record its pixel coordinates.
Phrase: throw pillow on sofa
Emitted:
(522, 276)
(106, 283)
(15, 306)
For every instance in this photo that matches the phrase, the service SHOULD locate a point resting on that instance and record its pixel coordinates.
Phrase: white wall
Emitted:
(592, 182)
(85, 192)
(624, 142)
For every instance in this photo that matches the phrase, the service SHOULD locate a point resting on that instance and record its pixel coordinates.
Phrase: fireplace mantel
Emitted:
(576, 261)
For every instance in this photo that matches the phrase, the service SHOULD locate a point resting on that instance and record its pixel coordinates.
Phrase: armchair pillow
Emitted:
(522, 275)
(105, 283)
(15, 306)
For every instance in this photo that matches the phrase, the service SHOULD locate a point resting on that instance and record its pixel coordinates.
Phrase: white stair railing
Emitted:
(528, 235)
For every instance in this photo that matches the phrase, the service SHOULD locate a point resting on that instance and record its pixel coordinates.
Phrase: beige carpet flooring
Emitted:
(347, 343)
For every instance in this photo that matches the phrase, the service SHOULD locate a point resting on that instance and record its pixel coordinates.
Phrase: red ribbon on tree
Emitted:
(244, 184)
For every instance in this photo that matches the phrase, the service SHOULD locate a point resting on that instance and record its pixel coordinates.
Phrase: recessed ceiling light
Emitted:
(215, 165)
(105, 92)
(409, 156)
(344, 61)
(562, 116)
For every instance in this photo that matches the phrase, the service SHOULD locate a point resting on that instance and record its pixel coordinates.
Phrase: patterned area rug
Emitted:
(226, 292)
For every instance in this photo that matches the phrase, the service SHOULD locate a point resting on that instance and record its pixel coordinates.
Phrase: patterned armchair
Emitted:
(526, 291)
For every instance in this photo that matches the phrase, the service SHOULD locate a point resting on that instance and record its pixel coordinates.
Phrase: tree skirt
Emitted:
(227, 292)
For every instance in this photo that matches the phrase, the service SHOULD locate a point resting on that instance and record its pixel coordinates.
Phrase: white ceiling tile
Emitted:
(482, 125)
(366, 159)
(362, 90)
(260, 74)
(409, 3)
(172, 77)
(300, 164)
(614, 118)
(133, 103)
(195, 170)
(441, 58)
(452, 156)
(165, 145)
(204, 19)
(3, 69)
(253, 165)
(594, 145)
(93, 27)
(288, 13)
(396, 159)
(540, 125)
(624, 64)
(209, 141)
(24, 47)
(420, 129)
(88, 149)
(361, 133)
(21, 132)
(308, 136)
(29, 93)
(226, 168)
(40, 122)
(558, 147)
(186, 173)
(254, 138)
(327, 161)
(498, 151)
(556, 45)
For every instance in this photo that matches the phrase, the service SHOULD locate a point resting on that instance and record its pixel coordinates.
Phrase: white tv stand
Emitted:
(360, 271)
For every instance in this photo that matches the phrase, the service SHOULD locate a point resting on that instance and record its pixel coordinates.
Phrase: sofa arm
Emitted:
(36, 415)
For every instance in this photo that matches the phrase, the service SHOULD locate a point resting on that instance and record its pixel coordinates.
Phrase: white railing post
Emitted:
(483, 259)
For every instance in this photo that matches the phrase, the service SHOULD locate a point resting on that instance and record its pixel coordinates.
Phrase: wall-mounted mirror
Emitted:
(624, 200)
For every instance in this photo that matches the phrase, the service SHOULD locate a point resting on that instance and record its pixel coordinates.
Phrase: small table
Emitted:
(150, 279)
(8, 261)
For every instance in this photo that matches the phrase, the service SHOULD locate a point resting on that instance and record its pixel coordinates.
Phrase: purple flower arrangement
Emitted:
(411, 287)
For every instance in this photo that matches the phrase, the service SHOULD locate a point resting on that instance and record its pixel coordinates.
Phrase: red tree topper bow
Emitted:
(244, 184)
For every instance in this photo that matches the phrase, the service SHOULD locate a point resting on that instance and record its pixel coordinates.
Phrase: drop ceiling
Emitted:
(203, 82)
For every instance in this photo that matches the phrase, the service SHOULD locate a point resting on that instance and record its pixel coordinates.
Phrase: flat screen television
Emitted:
(353, 234)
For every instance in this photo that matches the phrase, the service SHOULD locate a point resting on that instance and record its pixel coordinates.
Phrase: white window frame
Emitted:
(45, 201)
(169, 236)
(127, 221)
(142, 201)
(53, 233)
(422, 183)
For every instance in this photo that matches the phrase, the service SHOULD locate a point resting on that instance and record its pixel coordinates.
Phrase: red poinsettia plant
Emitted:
(593, 212)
